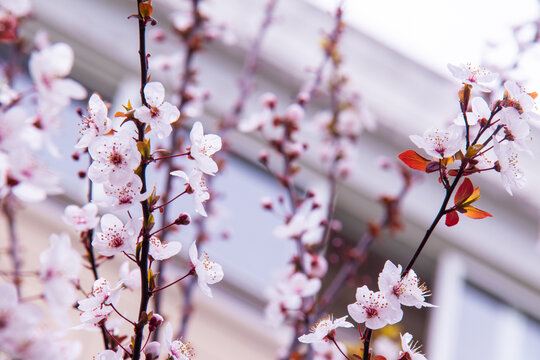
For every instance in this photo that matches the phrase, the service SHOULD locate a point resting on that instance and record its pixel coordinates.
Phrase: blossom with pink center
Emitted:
(473, 76)
(115, 157)
(196, 182)
(96, 123)
(125, 195)
(81, 219)
(162, 251)
(131, 279)
(515, 97)
(110, 355)
(374, 309)
(440, 143)
(407, 291)
(511, 173)
(159, 114)
(315, 265)
(324, 330)
(48, 68)
(305, 224)
(177, 349)
(96, 307)
(30, 181)
(516, 129)
(328, 350)
(60, 266)
(208, 272)
(203, 147)
(410, 349)
(115, 236)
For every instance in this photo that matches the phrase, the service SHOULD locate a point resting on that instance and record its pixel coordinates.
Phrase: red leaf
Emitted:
(452, 218)
(475, 213)
(413, 160)
(464, 191)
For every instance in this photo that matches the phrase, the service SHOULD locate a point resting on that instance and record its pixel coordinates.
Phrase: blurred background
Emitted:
(484, 275)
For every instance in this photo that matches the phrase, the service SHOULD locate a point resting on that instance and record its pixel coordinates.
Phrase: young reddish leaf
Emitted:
(472, 198)
(413, 160)
(379, 357)
(452, 218)
(465, 190)
(475, 213)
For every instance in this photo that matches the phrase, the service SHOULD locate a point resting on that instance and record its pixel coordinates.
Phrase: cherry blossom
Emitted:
(48, 68)
(159, 114)
(473, 76)
(114, 159)
(195, 180)
(480, 110)
(328, 350)
(255, 121)
(110, 355)
(440, 143)
(516, 129)
(81, 219)
(177, 349)
(324, 329)
(374, 309)
(96, 123)
(515, 97)
(125, 195)
(208, 272)
(512, 175)
(306, 224)
(29, 180)
(162, 251)
(152, 350)
(406, 291)
(115, 236)
(60, 266)
(315, 265)
(131, 279)
(410, 350)
(203, 147)
(95, 308)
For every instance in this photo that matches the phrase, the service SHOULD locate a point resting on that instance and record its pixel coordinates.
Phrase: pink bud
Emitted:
(268, 100)
(152, 350)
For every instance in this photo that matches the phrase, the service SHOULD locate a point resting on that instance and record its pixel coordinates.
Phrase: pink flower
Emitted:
(200, 191)
(410, 350)
(48, 68)
(440, 143)
(96, 123)
(159, 114)
(115, 157)
(177, 349)
(406, 291)
(115, 236)
(324, 329)
(373, 309)
(203, 147)
(96, 307)
(208, 272)
(162, 251)
(81, 219)
(511, 173)
(125, 195)
(60, 266)
(472, 76)
(131, 279)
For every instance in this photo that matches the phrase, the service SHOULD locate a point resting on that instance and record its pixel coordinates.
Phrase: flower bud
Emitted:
(152, 350)
(268, 100)
(155, 321)
(183, 219)
(267, 203)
